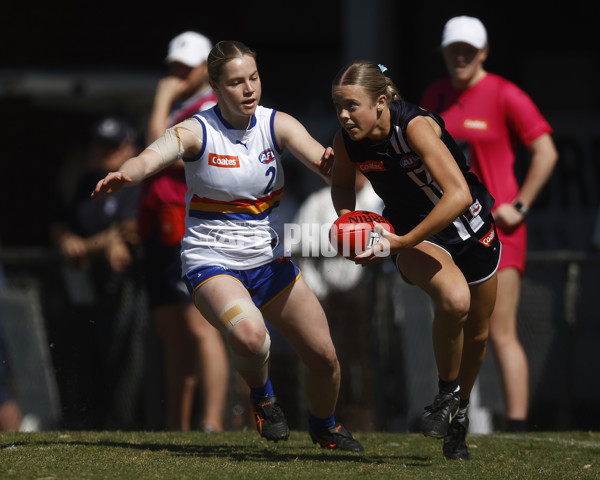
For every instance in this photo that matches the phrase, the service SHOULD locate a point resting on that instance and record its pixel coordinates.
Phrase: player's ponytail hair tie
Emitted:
(382, 67)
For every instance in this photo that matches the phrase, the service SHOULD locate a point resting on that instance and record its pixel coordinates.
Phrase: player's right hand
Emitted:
(111, 183)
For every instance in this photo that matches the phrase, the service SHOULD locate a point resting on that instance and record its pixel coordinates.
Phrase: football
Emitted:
(354, 232)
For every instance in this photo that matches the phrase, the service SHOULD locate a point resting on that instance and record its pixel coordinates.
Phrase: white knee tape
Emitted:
(236, 311)
(256, 361)
(230, 316)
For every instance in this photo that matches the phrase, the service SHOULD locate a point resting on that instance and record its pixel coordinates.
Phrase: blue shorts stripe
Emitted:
(264, 283)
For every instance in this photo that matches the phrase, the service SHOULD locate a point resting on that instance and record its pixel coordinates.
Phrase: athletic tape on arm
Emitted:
(169, 145)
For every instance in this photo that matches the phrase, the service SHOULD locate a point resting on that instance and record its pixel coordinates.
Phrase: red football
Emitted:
(354, 232)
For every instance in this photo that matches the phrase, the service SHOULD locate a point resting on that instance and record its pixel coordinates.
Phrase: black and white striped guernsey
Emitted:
(404, 184)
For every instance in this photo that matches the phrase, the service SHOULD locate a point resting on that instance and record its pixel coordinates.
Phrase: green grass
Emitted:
(244, 455)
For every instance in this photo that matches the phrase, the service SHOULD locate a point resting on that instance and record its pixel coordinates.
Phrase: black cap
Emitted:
(114, 130)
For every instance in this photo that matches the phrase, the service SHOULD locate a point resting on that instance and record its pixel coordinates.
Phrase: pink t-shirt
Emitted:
(492, 116)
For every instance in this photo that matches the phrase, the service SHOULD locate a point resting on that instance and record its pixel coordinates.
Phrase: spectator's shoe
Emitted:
(437, 417)
(270, 420)
(336, 437)
(455, 447)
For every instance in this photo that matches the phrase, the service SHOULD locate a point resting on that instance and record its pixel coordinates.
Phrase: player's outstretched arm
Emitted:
(131, 172)
(292, 135)
(176, 142)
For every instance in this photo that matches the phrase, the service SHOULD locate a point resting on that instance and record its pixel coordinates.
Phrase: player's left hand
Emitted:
(379, 251)
(327, 159)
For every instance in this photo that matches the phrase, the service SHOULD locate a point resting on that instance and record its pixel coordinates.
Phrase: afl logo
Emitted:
(409, 161)
(267, 156)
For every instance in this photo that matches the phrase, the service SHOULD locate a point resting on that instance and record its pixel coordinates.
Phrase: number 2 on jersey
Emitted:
(270, 171)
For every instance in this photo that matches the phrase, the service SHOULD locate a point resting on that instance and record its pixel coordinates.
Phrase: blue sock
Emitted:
(262, 392)
(452, 386)
(320, 424)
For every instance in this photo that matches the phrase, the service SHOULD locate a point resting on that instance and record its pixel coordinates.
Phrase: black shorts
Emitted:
(162, 268)
(477, 258)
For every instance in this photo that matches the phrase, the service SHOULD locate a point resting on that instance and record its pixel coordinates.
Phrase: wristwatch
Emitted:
(522, 209)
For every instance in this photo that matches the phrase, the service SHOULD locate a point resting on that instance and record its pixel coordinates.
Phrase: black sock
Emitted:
(463, 406)
(452, 386)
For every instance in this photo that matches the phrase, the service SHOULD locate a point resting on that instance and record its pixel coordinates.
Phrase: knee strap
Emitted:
(236, 311)
(230, 316)
(256, 362)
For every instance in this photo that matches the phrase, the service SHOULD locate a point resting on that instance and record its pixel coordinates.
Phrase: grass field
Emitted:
(244, 455)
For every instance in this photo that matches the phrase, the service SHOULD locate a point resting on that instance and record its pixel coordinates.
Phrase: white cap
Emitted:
(464, 29)
(189, 48)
